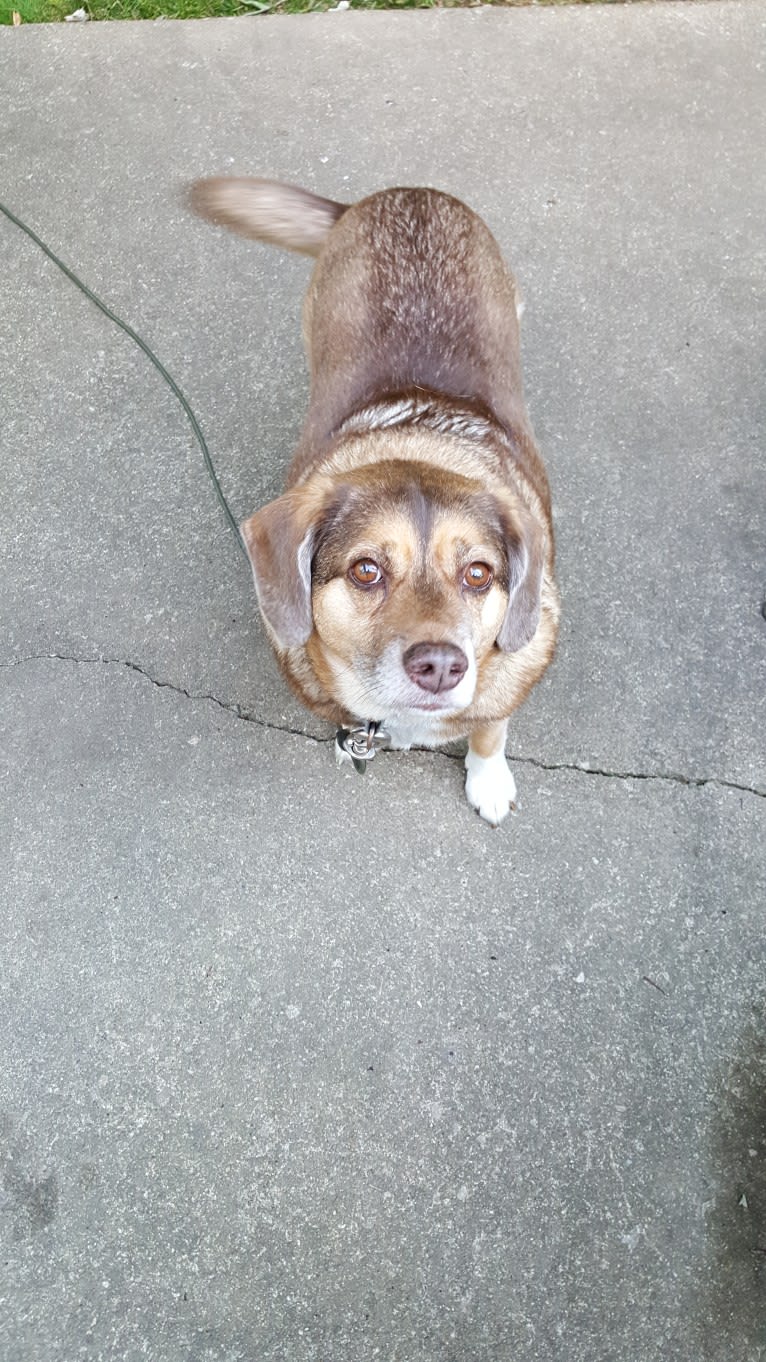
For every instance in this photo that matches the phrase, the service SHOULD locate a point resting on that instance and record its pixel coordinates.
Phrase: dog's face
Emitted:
(398, 581)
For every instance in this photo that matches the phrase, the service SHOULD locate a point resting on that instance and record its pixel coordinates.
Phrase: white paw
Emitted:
(489, 786)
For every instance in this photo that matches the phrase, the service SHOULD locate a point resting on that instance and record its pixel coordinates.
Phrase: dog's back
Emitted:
(420, 297)
(409, 293)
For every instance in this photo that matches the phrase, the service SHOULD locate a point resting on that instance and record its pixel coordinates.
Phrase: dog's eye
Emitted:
(477, 576)
(365, 573)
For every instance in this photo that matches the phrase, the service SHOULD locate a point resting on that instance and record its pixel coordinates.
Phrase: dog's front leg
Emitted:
(489, 785)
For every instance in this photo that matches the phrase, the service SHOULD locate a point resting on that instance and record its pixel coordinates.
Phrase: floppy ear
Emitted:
(525, 547)
(280, 543)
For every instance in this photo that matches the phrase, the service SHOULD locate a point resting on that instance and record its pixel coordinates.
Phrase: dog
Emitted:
(406, 576)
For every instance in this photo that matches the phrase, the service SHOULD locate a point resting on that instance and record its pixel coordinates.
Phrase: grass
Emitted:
(54, 11)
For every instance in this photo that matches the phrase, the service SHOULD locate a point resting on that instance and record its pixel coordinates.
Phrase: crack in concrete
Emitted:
(674, 777)
(234, 709)
(583, 769)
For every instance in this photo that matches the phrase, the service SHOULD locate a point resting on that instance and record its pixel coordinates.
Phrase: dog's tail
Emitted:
(267, 210)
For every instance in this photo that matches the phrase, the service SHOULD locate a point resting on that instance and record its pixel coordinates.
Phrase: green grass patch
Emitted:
(54, 11)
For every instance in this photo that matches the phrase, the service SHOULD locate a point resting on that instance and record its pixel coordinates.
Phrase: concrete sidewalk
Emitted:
(303, 1068)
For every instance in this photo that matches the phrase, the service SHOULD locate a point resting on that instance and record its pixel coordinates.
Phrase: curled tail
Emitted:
(267, 210)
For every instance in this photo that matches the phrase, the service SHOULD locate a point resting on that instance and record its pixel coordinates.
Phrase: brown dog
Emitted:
(406, 576)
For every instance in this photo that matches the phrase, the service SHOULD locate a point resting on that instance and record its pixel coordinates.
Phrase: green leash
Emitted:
(150, 355)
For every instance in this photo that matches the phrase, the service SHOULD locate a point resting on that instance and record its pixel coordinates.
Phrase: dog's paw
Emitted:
(489, 786)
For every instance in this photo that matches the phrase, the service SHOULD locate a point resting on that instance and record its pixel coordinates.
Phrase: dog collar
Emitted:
(357, 745)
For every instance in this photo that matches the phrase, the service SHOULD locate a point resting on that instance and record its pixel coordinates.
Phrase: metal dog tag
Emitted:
(357, 745)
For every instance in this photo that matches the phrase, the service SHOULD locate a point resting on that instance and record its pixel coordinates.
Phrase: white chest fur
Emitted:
(415, 730)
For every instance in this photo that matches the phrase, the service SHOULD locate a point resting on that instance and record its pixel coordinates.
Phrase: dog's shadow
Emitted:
(733, 1315)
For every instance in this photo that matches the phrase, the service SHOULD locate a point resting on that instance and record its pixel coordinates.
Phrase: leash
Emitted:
(356, 745)
(134, 336)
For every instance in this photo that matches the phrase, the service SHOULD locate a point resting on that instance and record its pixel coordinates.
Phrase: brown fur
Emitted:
(416, 453)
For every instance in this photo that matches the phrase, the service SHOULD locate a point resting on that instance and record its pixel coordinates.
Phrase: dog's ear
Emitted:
(280, 544)
(525, 547)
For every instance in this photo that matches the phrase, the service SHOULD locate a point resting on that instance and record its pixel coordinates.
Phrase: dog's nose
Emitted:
(435, 667)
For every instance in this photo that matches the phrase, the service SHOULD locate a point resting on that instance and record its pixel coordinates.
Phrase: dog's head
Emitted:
(398, 581)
